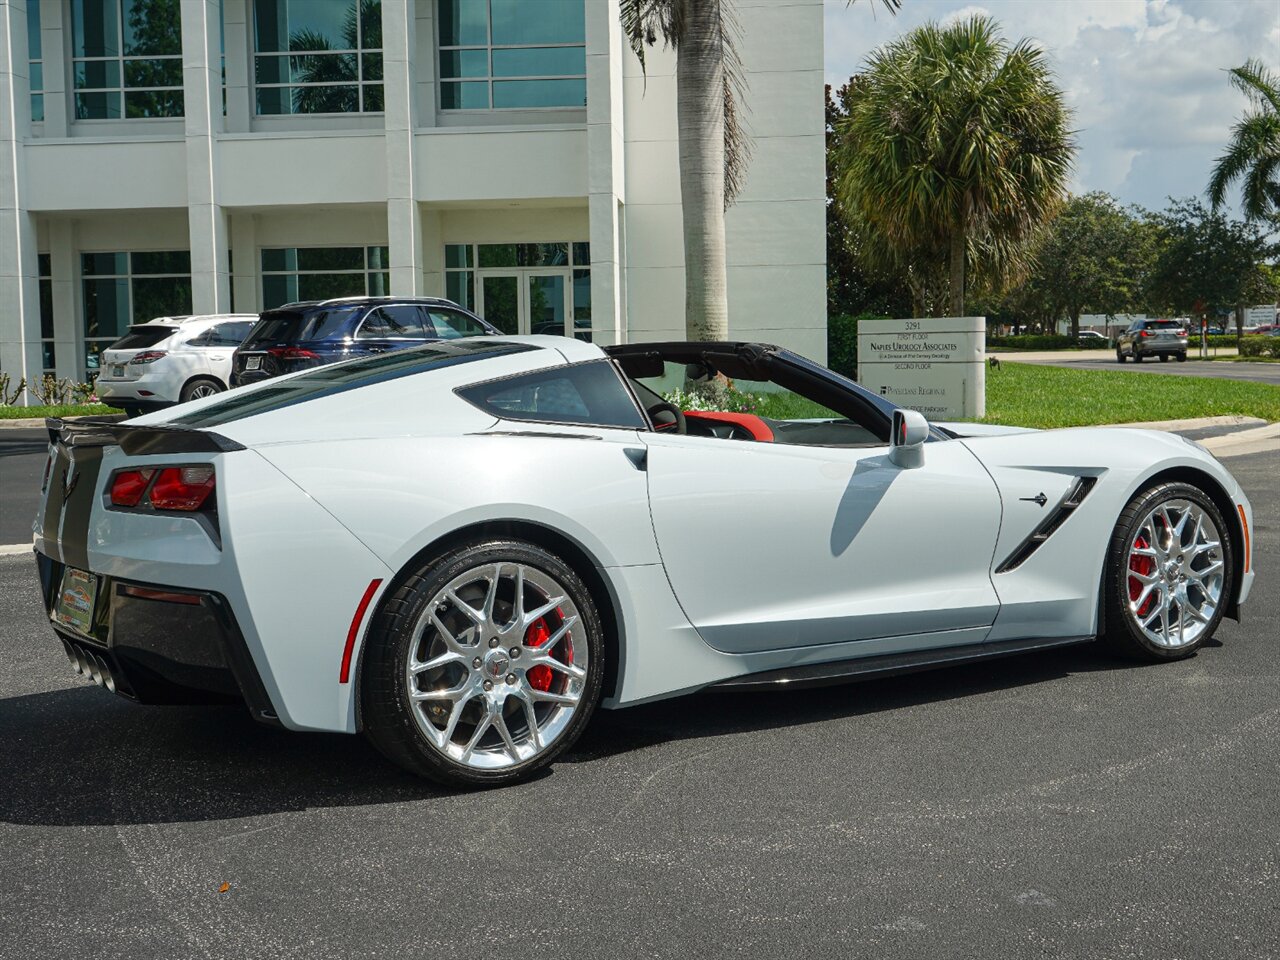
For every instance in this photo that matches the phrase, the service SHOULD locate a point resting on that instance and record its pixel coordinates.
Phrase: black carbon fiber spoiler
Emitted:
(135, 440)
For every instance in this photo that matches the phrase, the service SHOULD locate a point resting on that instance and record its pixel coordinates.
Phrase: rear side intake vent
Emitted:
(1050, 524)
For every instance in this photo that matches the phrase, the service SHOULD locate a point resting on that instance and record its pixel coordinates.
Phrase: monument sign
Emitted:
(936, 366)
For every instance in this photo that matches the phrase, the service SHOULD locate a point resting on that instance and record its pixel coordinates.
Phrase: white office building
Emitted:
(203, 156)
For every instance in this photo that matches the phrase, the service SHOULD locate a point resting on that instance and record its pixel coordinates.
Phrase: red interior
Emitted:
(758, 429)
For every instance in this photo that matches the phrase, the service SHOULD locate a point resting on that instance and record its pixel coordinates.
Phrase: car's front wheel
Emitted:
(1119, 355)
(484, 665)
(1169, 574)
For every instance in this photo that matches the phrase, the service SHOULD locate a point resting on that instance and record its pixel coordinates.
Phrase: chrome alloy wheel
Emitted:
(1175, 573)
(202, 390)
(493, 673)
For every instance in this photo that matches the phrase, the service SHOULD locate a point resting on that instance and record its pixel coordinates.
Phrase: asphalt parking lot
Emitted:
(1059, 805)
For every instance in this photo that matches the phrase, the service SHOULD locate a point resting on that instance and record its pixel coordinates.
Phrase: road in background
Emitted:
(1106, 360)
(22, 458)
(1054, 805)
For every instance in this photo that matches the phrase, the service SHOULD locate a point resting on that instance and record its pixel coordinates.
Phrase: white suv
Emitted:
(171, 360)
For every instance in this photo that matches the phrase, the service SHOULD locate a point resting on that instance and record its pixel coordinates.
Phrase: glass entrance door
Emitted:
(499, 302)
(545, 295)
(526, 301)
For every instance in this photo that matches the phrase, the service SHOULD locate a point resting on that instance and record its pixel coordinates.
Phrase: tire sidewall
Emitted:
(386, 708)
(187, 390)
(1120, 626)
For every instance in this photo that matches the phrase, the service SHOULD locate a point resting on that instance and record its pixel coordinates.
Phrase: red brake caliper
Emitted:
(540, 677)
(1146, 566)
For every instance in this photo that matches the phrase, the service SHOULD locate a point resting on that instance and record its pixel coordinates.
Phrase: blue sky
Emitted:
(1145, 78)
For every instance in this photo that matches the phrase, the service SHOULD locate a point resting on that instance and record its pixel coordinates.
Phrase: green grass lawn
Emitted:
(1029, 395)
(69, 410)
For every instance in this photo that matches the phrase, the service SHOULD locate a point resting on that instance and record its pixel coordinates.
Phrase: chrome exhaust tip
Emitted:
(108, 680)
(94, 671)
(71, 656)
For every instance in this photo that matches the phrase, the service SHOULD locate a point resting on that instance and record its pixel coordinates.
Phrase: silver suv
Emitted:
(1152, 338)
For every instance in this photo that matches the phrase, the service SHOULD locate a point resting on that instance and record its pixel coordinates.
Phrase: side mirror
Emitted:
(906, 443)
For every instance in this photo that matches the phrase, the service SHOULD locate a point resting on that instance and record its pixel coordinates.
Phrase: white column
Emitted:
(67, 341)
(605, 177)
(19, 283)
(404, 220)
(236, 34)
(54, 40)
(244, 257)
(202, 95)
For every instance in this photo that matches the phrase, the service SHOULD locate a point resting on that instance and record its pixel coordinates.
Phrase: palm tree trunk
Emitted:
(957, 273)
(700, 114)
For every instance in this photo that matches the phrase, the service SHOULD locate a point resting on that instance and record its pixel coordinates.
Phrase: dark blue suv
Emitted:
(312, 333)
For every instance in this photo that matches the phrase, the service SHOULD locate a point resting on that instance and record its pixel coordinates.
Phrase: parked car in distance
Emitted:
(171, 360)
(1091, 337)
(313, 333)
(1152, 338)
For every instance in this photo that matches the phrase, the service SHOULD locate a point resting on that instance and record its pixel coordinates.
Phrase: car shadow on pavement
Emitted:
(712, 713)
(80, 757)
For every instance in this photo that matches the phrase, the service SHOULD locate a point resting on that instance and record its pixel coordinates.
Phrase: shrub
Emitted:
(1047, 341)
(1260, 347)
(714, 395)
(842, 342)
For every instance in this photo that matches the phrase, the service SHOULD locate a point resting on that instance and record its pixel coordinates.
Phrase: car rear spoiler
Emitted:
(135, 440)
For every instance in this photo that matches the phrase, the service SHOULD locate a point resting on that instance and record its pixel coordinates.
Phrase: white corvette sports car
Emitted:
(462, 549)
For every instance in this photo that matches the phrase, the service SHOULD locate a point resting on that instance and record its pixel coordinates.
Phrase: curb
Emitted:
(25, 422)
(15, 549)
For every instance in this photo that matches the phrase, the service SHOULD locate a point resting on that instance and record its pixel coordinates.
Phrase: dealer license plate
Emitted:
(252, 363)
(76, 598)
(117, 369)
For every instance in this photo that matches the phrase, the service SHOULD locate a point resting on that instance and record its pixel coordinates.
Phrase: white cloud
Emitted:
(1145, 77)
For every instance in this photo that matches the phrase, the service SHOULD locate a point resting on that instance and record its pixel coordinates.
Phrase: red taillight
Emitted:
(1145, 333)
(182, 488)
(292, 353)
(148, 356)
(128, 486)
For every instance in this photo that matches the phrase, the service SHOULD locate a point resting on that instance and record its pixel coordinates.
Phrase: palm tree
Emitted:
(340, 71)
(958, 148)
(714, 147)
(1253, 155)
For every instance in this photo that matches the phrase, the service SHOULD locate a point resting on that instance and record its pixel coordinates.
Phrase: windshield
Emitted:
(1163, 325)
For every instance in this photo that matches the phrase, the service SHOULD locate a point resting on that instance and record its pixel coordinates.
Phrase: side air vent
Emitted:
(1050, 524)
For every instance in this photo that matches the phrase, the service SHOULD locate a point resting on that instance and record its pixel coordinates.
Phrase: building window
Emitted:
(126, 59)
(36, 61)
(523, 287)
(48, 355)
(317, 56)
(125, 288)
(512, 54)
(291, 274)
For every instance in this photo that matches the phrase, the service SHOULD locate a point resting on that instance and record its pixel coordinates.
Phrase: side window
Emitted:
(588, 393)
(202, 339)
(226, 334)
(395, 322)
(449, 324)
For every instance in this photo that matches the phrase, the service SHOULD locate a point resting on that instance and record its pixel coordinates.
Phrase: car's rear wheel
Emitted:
(1164, 358)
(199, 388)
(1119, 355)
(1169, 574)
(483, 666)
(1182, 357)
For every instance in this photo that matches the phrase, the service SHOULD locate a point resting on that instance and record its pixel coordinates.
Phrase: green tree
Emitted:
(153, 28)
(1253, 155)
(714, 147)
(1207, 264)
(852, 287)
(958, 147)
(1090, 259)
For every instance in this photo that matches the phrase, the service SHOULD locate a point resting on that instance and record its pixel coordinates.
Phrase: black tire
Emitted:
(1116, 626)
(1137, 357)
(198, 387)
(1182, 357)
(1164, 358)
(1119, 356)
(386, 710)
